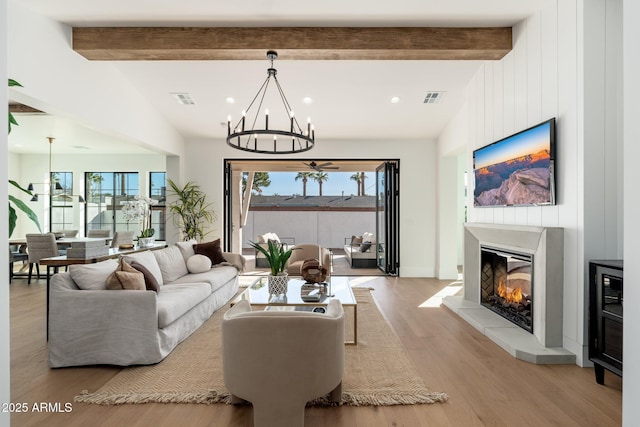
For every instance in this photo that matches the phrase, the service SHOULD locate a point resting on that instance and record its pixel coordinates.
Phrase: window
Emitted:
(105, 193)
(61, 212)
(158, 191)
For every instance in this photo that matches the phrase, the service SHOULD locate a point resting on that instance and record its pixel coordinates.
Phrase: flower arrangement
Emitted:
(140, 210)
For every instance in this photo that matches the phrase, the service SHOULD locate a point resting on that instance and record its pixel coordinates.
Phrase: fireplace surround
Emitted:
(543, 341)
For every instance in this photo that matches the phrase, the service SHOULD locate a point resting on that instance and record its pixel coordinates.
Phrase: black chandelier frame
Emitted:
(294, 140)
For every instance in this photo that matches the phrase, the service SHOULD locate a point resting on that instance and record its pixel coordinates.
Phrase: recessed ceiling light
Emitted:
(307, 100)
(230, 100)
(395, 100)
(183, 98)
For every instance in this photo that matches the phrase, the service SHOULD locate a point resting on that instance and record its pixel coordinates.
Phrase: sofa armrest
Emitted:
(237, 260)
(94, 326)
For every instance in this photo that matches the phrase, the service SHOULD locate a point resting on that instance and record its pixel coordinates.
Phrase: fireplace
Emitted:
(506, 285)
(540, 338)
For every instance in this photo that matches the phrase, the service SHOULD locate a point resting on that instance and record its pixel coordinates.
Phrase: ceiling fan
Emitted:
(320, 167)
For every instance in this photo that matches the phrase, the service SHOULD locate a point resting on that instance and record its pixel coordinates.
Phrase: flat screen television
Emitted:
(517, 170)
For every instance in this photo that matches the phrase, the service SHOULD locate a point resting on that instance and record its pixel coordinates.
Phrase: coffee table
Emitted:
(337, 288)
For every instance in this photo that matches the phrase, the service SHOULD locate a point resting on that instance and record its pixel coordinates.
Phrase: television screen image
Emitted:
(517, 170)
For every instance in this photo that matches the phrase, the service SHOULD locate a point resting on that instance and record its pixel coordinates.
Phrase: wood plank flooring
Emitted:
(487, 387)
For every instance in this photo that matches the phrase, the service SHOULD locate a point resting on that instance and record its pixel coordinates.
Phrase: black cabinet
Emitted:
(605, 316)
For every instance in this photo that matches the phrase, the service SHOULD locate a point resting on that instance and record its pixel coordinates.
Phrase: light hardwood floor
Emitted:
(487, 387)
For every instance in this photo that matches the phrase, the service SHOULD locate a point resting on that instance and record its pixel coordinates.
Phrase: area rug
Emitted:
(377, 370)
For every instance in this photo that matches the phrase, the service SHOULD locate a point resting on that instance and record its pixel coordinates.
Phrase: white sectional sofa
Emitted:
(360, 251)
(90, 324)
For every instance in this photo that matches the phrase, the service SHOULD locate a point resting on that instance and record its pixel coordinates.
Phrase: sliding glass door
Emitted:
(387, 218)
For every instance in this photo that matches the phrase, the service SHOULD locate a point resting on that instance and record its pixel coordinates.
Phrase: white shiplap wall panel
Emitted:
(549, 81)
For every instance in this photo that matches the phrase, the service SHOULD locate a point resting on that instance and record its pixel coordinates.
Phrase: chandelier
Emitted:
(54, 187)
(248, 136)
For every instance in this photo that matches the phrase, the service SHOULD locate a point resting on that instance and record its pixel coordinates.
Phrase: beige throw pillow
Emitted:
(126, 277)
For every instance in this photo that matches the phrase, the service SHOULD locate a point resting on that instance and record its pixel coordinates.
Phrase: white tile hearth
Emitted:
(513, 339)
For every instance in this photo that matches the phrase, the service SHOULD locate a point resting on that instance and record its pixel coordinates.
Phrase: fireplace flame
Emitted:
(512, 296)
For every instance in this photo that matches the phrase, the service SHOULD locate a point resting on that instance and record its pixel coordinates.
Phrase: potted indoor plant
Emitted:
(277, 257)
(140, 210)
(190, 210)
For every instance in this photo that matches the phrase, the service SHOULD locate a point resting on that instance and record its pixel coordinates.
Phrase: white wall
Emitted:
(546, 76)
(27, 168)
(631, 350)
(327, 228)
(59, 81)
(204, 164)
(5, 353)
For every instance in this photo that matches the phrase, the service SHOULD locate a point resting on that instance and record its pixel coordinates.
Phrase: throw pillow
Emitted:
(92, 276)
(365, 246)
(198, 264)
(356, 240)
(171, 263)
(150, 281)
(186, 248)
(126, 277)
(146, 259)
(211, 250)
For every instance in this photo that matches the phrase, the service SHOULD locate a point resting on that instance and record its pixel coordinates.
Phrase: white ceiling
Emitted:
(351, 99)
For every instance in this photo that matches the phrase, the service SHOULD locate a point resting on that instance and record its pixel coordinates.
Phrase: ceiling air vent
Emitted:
(183, 98)
(433, 97)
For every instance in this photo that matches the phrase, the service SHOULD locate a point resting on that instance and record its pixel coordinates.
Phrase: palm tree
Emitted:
(320, 177)
(304, 176)
(362, 178)
(260, 179)
(356, 177)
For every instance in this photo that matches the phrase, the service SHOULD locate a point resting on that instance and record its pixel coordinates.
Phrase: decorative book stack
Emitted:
(88, 249)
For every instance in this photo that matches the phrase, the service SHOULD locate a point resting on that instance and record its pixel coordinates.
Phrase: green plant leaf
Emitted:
(27, 210)
(13, 218)
(14, 83)
(15, 184)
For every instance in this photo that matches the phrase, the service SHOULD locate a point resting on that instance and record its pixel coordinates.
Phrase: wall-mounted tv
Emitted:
(517, 170)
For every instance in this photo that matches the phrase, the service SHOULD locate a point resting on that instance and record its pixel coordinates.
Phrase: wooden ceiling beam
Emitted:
(291, 43)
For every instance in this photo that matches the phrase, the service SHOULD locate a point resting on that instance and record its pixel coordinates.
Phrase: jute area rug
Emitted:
(377, 370)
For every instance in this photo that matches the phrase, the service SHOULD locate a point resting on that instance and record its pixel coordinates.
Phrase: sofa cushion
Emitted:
(215, 277)
(150, 281)
(365, 246)
(177, 299)
(148, 261)
(368, 237)
(126, 277)
(171, 263)
(93, 276)
(264, 238)
(211, 250)
(186, 248)
(198, 264)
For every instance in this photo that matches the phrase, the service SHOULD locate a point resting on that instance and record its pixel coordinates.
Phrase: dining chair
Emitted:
(69, 233)
(99, 233)
(122, 238)
(40, 246)
(16, 253)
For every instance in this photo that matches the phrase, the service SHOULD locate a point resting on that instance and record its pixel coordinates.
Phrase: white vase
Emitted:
(278, 284)
(146, 242)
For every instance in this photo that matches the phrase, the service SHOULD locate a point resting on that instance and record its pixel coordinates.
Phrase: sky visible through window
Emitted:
(339, 183)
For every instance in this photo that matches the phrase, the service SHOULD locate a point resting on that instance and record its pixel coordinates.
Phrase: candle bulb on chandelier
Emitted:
(291, 115)
(313, 133)
(275, 143)
(266, 118)
(244, 113)
(308, 125)
(229, 125)
(255, 141)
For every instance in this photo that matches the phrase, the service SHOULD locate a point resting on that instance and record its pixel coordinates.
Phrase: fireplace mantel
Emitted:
(546, 244)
